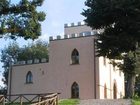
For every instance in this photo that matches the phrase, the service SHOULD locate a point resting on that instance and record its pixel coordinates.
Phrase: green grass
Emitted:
(61, 102)
(69, 102)
(136, 101)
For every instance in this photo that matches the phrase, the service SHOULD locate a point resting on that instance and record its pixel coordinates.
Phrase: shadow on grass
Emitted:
(136, 102)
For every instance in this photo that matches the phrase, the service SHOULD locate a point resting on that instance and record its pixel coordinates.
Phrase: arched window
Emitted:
(105, 91)
(75, 57)
(74, 90)
(115, 90)
(29, 77)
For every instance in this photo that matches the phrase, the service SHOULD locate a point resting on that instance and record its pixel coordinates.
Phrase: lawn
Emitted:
(69, 102)
(136, 102)
(76, 101)
(61, 102)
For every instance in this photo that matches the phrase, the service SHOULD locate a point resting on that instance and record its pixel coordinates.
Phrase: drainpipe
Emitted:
(94, 69)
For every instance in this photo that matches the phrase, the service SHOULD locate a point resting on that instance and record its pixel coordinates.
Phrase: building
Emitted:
(73, 69)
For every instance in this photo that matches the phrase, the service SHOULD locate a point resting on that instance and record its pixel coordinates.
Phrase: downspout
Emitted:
(94, 69)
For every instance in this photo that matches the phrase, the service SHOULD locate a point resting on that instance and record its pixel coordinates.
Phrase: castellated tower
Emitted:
(73, 69)
(78, 29)
(74, 30)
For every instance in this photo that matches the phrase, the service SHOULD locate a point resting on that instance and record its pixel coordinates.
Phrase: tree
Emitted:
(7, 54)
(119, 20)
(21, 20)
(15, 53)
(129, 69)
(137, 85)
(38, 50)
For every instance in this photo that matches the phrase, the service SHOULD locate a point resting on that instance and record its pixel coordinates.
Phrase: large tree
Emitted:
(21, 20)
(9, 54)
(32, 51)
(13, 53)
(120, 22)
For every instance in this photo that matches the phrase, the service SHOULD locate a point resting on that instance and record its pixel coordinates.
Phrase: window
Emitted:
(74, 90)
(29, 77)
(75, 57)
(115, 90)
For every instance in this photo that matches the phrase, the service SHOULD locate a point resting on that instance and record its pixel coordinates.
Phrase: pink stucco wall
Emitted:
(59, 74)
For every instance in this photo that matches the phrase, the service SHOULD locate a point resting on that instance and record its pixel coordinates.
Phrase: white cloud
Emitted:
(44, 37)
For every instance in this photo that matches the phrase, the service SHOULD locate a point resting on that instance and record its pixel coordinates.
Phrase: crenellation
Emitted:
(21, 62)
(69, 65)
(29, 61)
(58, 37)
(43, 60)
(50, 38)
(65, 25)
(65, 36)
(74, 24)
(34, 61)
(79, 24)
(81, 34)
(87, 33)
(74, 35)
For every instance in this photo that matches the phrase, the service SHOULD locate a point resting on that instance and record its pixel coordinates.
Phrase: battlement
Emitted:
(34, 61)
(74, 35)
(74, 24)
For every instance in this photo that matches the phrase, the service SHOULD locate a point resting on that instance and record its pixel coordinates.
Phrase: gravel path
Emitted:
(105, 102)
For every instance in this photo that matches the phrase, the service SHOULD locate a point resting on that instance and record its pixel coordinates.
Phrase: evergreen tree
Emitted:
(21, 20)
(119, 20)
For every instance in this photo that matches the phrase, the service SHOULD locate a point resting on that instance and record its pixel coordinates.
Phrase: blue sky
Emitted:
(58, 12)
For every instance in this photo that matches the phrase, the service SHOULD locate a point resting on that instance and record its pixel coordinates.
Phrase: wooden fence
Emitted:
(35, 99)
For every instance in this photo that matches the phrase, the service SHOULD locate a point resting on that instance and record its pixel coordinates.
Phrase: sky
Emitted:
(58, 12)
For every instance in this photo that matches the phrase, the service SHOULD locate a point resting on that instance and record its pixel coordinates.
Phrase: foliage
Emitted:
(21, 20)
(13, 53)
(34, 51)
(129, 64)
(119, 21)
(137, 85)
(69, 102)
(3, 90)
(8, 54)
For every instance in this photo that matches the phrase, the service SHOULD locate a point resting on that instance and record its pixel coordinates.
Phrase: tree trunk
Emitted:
(130, 86)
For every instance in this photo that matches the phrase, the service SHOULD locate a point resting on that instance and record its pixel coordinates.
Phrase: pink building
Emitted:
(73, 69)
